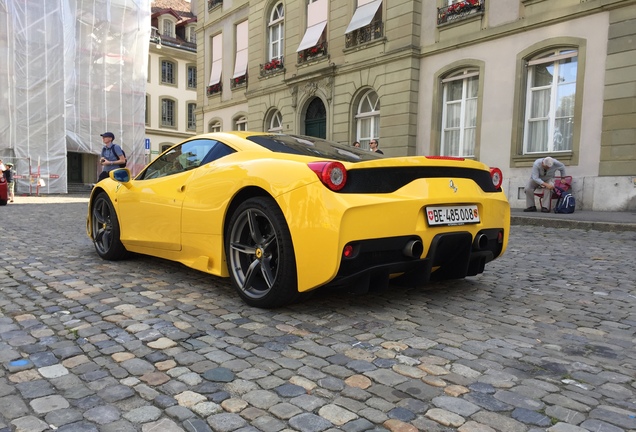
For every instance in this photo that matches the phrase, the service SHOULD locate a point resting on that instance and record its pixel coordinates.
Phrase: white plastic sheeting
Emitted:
(69, 71)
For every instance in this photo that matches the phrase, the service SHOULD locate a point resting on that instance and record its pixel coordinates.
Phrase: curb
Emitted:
(572, 224)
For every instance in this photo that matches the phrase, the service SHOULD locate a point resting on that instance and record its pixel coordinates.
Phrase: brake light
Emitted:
(453, 158)
(497, 177)
(332, 174)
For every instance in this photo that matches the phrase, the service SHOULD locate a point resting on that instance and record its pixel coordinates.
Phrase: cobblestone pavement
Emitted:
(543, 341)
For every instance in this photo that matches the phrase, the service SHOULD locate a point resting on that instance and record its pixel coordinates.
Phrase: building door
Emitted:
(74, 167)
(316, 119)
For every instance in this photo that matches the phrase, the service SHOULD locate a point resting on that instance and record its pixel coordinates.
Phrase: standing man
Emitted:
(373, 145)
(112, 155)
(542, 176)
(8, 175)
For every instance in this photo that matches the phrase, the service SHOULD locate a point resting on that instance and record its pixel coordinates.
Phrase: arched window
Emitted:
(550, 97)
(459, 113)
(275, 123)
(368, 118)
(276, 32)
(240, 123)
(214, 126)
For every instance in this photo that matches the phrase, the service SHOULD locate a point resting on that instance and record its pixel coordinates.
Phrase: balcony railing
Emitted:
(459, 11)
(240, 81)
(312, 53)
(373, 31)
(273, 67)
(214, 89)
(214, 3)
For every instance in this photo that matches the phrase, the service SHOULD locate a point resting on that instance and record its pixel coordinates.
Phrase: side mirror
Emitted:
(121, 175)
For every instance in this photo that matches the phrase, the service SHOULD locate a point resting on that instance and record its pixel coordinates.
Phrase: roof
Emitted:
(181, 8)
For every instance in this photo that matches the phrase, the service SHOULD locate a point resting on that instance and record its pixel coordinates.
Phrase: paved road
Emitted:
(543, 341)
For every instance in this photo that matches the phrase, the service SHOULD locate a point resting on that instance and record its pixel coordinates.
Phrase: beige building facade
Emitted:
(171, 88)
(504, 82)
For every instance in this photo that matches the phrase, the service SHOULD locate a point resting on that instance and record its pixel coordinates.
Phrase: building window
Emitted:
(240, 124)
(368, 119)
(214, 126)
(239, 78)
(168, 27)
(214, 86)
(366, 23)
(147, 118)
(550, 98)
(276, 32)
(313, 44)
(275, 122)
(192, 34)
(459, 113)
(167, 113)
(192, 77)
(167, 72)
(192, 116)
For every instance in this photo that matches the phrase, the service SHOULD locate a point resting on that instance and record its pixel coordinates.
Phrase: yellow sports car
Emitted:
(285, 214)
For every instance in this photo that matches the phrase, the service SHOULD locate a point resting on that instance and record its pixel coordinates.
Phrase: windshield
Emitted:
(311, 146)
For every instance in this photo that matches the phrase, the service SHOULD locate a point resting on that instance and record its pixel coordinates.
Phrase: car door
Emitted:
(151, 209)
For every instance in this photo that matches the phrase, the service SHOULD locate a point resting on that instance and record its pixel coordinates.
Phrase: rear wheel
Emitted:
(105, 230)
(260, 254)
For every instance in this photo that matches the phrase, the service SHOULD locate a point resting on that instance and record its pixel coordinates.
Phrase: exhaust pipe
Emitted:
(413, 249)
(481, 241)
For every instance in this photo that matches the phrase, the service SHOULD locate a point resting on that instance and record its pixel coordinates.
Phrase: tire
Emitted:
(105, 230)
(260, 254)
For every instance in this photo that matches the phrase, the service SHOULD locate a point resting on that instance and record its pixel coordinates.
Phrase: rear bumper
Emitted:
(452, 255)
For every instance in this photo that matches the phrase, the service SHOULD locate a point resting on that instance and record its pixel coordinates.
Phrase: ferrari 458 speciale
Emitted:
(281, 215)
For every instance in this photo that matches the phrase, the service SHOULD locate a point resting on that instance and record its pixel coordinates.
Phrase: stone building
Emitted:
(501, 81)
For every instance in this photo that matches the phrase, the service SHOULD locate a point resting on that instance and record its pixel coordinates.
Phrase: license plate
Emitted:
(452, 215)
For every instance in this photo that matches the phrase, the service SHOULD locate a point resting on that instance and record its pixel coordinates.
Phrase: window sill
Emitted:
(520, 161)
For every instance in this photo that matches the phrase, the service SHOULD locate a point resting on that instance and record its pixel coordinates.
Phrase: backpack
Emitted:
(122, 151)
(565, 204)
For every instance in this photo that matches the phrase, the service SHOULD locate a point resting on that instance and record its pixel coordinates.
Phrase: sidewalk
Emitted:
(581, 219)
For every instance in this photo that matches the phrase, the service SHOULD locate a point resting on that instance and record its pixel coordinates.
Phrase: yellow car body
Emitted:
(187, 216)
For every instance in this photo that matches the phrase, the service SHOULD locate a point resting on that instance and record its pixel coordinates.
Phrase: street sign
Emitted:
(147, 144)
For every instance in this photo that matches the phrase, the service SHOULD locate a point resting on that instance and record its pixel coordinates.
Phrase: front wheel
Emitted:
(105, 230)
(260, 254)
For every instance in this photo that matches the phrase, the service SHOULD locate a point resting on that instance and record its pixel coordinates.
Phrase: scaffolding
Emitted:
(71, 70)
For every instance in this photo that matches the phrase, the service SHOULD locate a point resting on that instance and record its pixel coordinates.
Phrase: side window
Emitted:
(187, 156)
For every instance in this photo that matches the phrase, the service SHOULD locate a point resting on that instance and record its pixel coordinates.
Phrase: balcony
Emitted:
(214, 89)
(459, 11)
(213, 4)
(312, 53)
(240, 81)
(274, 67)
(365, 34)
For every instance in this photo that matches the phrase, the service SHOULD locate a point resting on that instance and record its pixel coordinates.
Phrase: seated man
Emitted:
(542, 176)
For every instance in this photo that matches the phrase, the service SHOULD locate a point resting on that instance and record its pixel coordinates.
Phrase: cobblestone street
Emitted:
(544, 340)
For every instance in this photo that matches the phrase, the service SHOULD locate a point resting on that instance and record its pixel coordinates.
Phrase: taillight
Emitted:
(453, 158)
(496, 176)
(332, 174)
